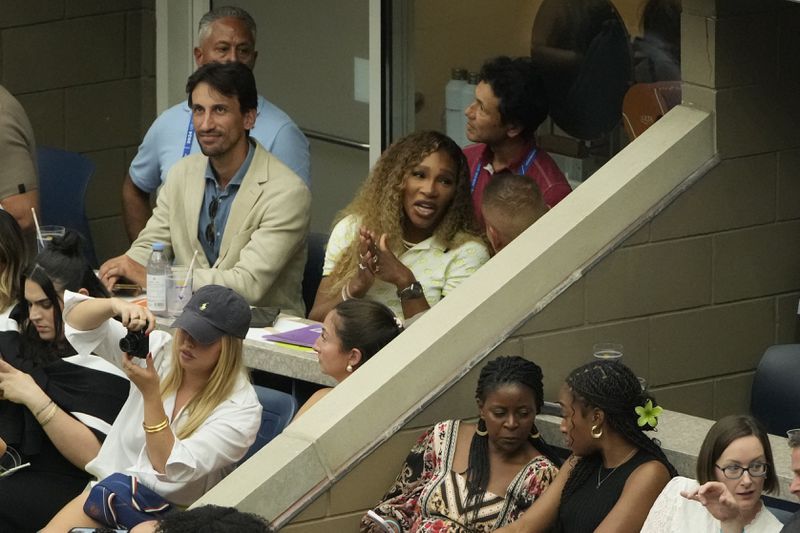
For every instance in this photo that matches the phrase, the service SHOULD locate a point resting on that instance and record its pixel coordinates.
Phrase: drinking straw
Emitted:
(38, 231)
(188, 275)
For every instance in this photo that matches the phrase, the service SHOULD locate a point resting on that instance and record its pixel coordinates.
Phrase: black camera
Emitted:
(135, 343)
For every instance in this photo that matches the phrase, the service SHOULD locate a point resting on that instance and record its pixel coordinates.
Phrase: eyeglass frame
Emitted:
(744, 469)
(211, 229)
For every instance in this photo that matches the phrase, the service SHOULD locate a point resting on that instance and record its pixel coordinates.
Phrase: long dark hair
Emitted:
(613, 388)
(59, 267)
(513, 370)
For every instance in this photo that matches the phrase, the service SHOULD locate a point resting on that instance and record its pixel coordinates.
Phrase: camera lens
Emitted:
(135, 343)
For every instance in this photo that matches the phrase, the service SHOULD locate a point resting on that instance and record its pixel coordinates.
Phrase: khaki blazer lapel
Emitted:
(192, 203)
(246, 198)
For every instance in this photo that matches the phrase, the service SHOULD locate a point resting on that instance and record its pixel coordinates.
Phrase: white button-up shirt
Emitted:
(196, 463)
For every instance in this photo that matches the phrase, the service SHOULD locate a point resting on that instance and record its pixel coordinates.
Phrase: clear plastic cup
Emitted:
(607, 351)
(179, 289)
(48, 233)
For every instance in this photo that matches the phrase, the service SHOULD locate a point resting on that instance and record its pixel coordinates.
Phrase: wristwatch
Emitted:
(411, 292)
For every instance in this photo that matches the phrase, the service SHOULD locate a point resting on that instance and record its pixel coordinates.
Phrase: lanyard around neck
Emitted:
(187, 145)
(522, 169)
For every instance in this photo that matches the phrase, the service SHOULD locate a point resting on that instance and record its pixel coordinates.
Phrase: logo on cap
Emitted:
(203, 306)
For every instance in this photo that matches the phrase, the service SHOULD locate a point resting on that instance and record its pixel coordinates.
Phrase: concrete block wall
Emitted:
(84, 70)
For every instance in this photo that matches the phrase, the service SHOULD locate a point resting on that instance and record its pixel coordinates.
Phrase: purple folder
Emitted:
(306, 336)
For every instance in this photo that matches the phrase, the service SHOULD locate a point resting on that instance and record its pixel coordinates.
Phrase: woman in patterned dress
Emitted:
(462, 477)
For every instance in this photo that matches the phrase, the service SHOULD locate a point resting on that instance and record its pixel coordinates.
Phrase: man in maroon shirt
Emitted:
(510, 103)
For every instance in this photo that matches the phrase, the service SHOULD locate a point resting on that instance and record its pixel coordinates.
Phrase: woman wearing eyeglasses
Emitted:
(735, 461)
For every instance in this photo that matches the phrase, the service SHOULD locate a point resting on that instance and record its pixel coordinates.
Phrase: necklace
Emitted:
(601, 481)
(408, 245)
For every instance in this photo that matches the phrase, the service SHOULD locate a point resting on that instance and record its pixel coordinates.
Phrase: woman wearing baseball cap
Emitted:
(190, 417)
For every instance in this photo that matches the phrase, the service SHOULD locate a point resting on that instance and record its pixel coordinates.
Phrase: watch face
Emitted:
(412, 291)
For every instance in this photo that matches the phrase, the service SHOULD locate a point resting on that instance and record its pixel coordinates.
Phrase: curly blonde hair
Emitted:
(378, 204)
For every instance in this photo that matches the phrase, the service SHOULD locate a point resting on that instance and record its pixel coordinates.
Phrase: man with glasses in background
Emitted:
(240, 207)
(510, 104)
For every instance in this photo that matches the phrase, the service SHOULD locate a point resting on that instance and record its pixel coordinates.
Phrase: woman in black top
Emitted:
(56, 406)
(616, 472)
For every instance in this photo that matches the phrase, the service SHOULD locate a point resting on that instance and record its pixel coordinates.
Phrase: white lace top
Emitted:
(672, 513)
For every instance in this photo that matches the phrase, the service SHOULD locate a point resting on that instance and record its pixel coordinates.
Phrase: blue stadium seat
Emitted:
(279, 409)
(63, 179)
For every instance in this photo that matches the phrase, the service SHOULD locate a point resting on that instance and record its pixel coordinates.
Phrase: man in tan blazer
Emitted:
(244, 211)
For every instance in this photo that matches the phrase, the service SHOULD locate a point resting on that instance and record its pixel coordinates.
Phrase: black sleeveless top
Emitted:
(589, 504)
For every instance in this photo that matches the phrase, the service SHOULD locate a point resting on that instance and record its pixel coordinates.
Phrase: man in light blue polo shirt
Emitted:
(225, 34)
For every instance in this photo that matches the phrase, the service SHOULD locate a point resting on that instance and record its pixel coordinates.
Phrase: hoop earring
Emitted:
(481, 430)
(349, 368)
(535, 434)
(595, 433)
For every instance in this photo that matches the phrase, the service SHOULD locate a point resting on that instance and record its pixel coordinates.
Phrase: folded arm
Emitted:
(224, 439)
(76, 442)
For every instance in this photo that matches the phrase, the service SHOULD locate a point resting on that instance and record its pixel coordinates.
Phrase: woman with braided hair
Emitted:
(616, 472)
(462, 477)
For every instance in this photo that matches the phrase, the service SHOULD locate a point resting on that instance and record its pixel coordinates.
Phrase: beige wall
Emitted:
(697, 294)
(305, 67)
(83, 70)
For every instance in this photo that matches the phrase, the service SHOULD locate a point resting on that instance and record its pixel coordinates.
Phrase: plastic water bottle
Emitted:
(157, 268)
(454, 112)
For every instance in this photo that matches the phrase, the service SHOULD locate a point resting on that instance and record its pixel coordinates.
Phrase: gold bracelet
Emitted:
(40, 411)
(49, 416)
(156, 428)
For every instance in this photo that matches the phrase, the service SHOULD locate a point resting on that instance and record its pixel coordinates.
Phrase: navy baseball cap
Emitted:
(212, 312)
